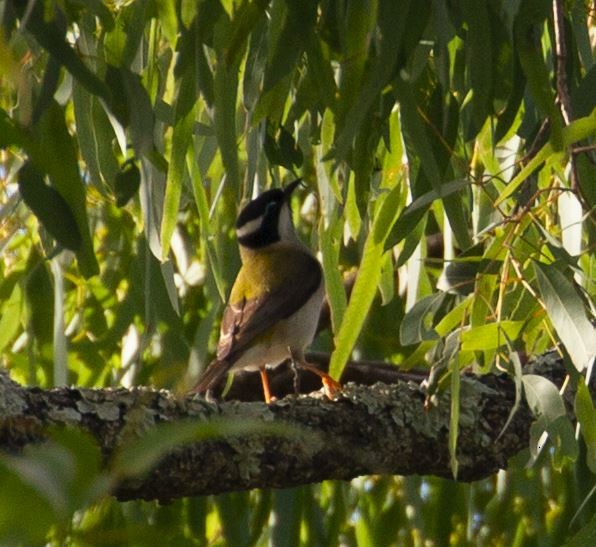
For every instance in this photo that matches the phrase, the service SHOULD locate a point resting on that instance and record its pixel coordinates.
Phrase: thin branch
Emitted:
(563, 88)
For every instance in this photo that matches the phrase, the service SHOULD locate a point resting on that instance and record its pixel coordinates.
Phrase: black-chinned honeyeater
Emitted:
(275, 302)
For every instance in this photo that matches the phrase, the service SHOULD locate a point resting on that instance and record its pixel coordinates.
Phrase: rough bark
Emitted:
(378, 429)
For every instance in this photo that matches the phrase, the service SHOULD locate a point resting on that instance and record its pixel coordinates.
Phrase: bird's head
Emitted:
(267, 218)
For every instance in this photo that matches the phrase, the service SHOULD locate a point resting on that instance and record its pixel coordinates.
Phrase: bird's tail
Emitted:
(211, 376)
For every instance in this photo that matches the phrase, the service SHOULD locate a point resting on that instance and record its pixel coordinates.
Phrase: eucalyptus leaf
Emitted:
(567, 313)
(414, 327)
(366, 283)
(491, 335)
(50, 207)
(586, 415)
(543, 397)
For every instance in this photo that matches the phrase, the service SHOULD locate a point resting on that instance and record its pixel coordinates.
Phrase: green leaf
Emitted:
(206, 228)
(126, 183)
(286, 510)
(479, 42)
(367, 281)
(18, 527)
(582, 97)
(11, 134)
(577, 130)
(508, 115)
(387, 281)
(49, 207)
(531, 58)
(416, 326)
(181, 140)
(10, 318)
(362, 85)
(62, 163)
(490, 336)
(233, 513)
(141, 111)
(543, 397)
(93, 131)
(166, 10)
(586, 415)
(563, 437)
(122, 42)
(49, 35)
(39, 296)
(454, 318)
(65, 472)
(330, 241)
(225, 88)
(582, 538)
(351, 212)
(454, 415)
(567, 314)
(411, 215)
(414, 126)
(517, 378)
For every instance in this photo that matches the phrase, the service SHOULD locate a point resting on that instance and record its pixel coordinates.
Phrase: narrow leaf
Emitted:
(414, 327)
(574, 132)
(454, 415)
(491, 336)
(127, 183)
(543, 397)
(567, 314)
(366, 283)
(586, 414)
(329, 240)
(181, 140)
(49, 207)
(61, 159)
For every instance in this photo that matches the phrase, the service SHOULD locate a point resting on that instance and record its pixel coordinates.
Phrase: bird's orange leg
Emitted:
(332, 387)
(265, 382)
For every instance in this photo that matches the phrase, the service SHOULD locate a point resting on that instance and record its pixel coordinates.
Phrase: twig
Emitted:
(562, 84)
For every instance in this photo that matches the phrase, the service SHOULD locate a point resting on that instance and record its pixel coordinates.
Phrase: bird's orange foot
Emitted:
(332, 387)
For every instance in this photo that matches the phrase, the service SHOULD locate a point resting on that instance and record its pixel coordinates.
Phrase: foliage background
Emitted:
(129, 134)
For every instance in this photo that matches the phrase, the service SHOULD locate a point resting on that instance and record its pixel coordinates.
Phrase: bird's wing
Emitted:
(244, 321)
(247, 319)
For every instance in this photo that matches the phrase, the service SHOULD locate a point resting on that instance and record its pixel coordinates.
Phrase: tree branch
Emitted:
(376, 429)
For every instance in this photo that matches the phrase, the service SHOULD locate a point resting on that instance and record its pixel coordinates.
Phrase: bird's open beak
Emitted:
(291, 187)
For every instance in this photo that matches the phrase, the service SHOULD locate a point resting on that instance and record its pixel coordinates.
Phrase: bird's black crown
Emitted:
(257, 207)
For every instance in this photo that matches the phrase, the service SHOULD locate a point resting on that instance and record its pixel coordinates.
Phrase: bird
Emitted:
(274, 305)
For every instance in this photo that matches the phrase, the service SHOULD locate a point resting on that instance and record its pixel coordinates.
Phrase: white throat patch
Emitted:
(285, 225)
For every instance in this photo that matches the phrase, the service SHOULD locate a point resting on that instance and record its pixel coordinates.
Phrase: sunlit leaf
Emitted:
(543, 397)
(330, 244)
(575, 131)
(567, 313)
(181, 140)
(10, 318)
(491, 335)
(586, 414)
(366, 283)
